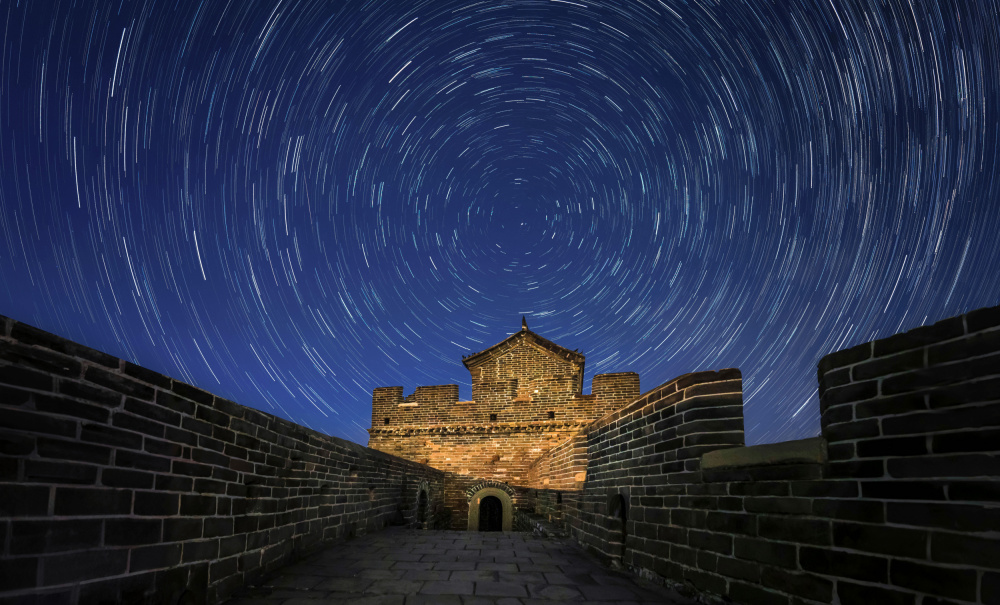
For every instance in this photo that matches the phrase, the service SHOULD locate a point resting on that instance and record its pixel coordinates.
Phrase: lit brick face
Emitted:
(526, 400)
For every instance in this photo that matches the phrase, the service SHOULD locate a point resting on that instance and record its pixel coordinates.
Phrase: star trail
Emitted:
(291, 203)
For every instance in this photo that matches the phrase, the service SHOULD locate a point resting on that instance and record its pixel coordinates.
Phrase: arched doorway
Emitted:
(490, 514)
(422, 509)
(498, 496)
(618, 526)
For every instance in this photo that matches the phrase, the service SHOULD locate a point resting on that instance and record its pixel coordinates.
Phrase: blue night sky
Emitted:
(291, 203)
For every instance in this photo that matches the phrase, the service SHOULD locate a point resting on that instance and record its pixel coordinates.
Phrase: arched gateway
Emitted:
(491, 507)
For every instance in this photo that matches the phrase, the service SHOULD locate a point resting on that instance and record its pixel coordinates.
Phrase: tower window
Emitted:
(552, 415)
(493, 417)
(386, 421)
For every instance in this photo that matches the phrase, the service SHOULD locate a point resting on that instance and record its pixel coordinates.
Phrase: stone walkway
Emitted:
(406, 567)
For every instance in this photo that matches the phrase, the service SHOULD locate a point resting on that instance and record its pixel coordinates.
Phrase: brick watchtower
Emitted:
(526, 398)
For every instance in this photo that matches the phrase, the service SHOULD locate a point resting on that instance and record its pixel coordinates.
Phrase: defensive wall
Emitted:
(897, 502)
(119, 484)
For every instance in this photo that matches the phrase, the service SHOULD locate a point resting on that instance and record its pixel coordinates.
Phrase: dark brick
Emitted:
(862, 469)
(198, 426)
(941, 375)
(845, 357)
(897, 541)
(837, 415)
(835, 378)
(971, 346)
(884, 366)
(218, 526)
(958, 465)
(16, 444)
(852, 430)
(52, 404)
(78, 501)
(198, 505)
(23, 500)
(710, 426)
(763, 551)
(130, 459)
(163, 448)
(803, 585)
(181, 436)
(752, 593)
(958, 517)
(859, 593)
(77, 567)
(192, 393)
(107, 435)
(9, 470)
(947, 582)
(210, 486)
(47, 361)
(965, 550)
(156, 504)
(209, 457)
(825, 489)
(23, 377)
(152, 411)
(145, 375)
(73, 450)
(191, 469)
(892, 446)
(200, 550)
(853, 510)
(115, 477)
(232, 545)
(965, 393)
(46, 471)
(182, 530)
(934, 422)
(119, 383)
(175, 403)
(228, 407)
(160, 556)
(12, 397)
(844, 564)
(787, 506)
(945, 329)
(731, 523)
(219, 570)
(38, 423)
(850, 393)
(967, 441)
(704, 540)
(981, 319)
(974, 491)
(127, 421)
(806, 531)
(34, 336)
(902, 490)
(131, 532)
(19, 573)
(208, 414)
(891, 406)
(762, 488)
(990, 588)
(90, 393)
(36, 537)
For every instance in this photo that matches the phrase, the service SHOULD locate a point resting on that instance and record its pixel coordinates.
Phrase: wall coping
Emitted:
(808, 451)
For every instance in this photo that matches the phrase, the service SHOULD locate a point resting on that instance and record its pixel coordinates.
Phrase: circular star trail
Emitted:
(292, 203)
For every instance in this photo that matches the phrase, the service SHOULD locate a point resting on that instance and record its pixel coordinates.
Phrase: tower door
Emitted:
(490, 514)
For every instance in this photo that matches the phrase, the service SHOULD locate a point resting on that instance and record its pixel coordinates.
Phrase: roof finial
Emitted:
(524, 323)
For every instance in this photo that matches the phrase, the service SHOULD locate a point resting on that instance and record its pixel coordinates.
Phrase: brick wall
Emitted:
(897, 502)
(526, 400)
(118, 483)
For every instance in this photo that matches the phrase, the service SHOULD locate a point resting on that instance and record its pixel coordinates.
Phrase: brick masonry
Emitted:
(903, 508)
(526, 400)
(119, 484)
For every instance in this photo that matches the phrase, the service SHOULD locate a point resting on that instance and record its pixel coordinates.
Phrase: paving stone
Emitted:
(556, 592)
(479, 575)
(436, 599)
(425, 576)
(402, 587)
(381, 574)
(611, 593)
(497, 566)
(345, 584)
(500, 589)
(447, 587)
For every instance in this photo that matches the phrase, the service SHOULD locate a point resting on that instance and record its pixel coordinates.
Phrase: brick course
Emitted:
(121, 484)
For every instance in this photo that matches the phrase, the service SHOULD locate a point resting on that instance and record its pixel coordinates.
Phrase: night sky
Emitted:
(291, 203)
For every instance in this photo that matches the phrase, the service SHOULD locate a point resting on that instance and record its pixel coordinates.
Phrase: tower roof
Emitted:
(525, 334)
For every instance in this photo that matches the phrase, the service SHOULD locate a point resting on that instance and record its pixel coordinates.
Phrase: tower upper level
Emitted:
(523, 380)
